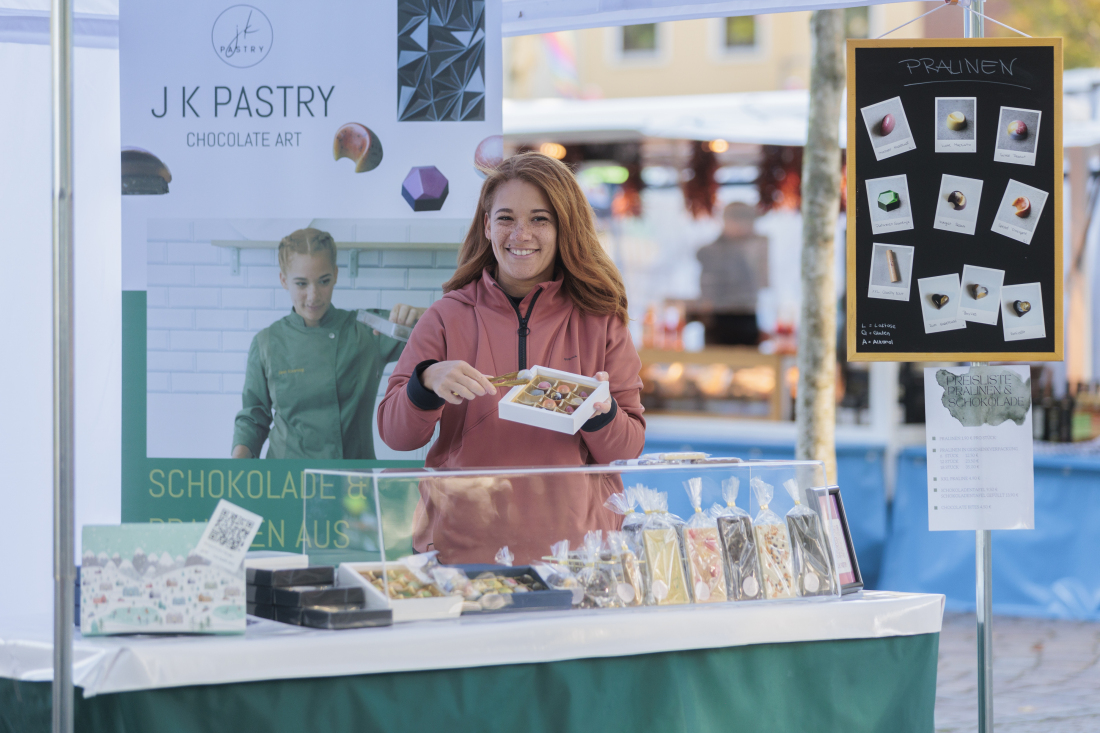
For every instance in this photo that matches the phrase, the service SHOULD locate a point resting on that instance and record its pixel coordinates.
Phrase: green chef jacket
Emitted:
(313, 389)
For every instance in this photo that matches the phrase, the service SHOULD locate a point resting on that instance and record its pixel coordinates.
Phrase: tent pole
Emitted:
(974, 27)
(61, 52)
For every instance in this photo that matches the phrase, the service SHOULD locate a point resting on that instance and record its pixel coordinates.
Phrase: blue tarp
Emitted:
(860, 475)
(1051, 571)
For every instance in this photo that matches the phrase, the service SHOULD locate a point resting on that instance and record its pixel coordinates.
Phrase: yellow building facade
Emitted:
(708, 56)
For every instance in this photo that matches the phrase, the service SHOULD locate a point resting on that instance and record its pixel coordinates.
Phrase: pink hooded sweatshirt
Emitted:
(468, 520)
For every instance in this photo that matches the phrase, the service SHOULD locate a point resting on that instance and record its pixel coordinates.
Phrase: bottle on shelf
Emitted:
(1051, 416)
(1081, 423)
(1038, 407)
(1065, 416)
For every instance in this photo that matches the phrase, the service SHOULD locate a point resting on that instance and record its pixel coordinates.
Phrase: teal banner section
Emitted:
(188, 489)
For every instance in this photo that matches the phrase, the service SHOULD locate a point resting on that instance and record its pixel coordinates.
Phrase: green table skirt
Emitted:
(870, 685)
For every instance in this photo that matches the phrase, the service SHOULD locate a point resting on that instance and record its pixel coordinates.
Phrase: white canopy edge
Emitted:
(524, 17)
(28, 25)
(520, 17)
(759, 118)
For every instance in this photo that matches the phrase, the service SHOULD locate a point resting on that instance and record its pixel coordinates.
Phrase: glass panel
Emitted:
(640, 38)
(740, 32)
(467, 516)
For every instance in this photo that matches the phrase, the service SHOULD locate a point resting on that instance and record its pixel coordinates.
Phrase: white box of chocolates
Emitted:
(554, 400)
(410, 599)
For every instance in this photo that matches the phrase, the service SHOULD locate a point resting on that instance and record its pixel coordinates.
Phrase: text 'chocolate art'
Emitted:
(359, 144)
(1017, 130)
(1021, 307)
(979, 291)
(956, 121)
(887, 125)
(940, 300)
(1022, 206)
(889, 200)
(956, 200)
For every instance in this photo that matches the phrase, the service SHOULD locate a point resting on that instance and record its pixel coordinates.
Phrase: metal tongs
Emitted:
(512, 379)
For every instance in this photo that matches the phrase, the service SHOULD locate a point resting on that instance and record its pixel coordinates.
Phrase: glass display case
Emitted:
(647, 532)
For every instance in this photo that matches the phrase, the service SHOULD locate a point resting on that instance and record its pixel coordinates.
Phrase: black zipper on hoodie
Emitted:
(523, 332)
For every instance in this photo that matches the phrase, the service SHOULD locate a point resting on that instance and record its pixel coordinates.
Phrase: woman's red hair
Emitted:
(590, 278)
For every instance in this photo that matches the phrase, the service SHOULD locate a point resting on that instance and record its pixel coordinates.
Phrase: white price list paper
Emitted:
(980, 459)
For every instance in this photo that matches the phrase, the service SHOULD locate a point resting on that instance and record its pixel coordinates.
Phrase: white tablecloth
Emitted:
(271, 650)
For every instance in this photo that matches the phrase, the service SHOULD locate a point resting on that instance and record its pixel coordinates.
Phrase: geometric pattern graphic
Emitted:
(425, 188)
(440, 60)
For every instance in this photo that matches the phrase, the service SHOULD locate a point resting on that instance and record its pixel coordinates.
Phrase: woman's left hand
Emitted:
(602, 407)
(406, 315)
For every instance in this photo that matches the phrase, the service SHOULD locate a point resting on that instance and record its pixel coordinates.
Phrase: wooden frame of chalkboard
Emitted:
(974, 135)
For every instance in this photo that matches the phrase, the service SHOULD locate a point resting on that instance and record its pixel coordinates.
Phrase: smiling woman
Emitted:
(533, 287)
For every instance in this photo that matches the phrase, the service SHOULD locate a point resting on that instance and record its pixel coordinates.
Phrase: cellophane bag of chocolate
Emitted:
(629, 585)
(626, 504)
(813, 562)
(772, 544)
(743, 578)
(504, 556)
(702, 549)
(664, 560)
(559, 574)
(596, 577)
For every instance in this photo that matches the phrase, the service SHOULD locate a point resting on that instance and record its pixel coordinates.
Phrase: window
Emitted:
(857, 22)
(740, 32)
(639, 39)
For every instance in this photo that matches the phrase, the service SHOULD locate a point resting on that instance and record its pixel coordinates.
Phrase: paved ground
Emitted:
(1046, 676)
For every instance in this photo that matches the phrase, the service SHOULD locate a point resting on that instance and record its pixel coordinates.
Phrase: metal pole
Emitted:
(61, 52)
(984, 583)
(974, 27)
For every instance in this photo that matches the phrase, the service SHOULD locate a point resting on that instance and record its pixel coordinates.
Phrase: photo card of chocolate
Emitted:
(1019, 212)
(1017, 135)
(888, 128)
(957, 205)
(830, 506)
(891, 272)
(889, 204)
(1022, 312)
(939, 303)
(981, 294)
(956, 124)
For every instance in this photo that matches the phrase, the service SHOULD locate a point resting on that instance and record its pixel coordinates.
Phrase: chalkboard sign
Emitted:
(955, 200)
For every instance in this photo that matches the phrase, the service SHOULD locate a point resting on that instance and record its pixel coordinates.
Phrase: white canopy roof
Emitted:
(762, 118)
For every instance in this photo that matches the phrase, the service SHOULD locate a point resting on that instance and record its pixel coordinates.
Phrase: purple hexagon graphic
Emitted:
(425, 188)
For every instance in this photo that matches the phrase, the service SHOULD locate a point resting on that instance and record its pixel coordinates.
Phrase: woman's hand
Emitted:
(406, 315)
(242, 451)
(455, 381)
(602, 407)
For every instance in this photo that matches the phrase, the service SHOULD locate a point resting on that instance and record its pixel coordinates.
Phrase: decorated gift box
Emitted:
(553, 399)
(145, 578)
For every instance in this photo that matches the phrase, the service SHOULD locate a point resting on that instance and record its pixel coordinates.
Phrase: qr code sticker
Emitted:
(231, 531)
(228, 535)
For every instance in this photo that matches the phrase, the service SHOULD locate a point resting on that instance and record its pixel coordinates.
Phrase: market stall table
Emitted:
(866, 663)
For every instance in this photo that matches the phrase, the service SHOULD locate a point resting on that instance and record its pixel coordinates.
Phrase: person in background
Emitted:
(534, 286)
(734, 270)
(313, 375)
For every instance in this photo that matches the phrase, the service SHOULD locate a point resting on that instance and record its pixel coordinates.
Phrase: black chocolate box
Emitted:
(288, 577)
(308, 595)
(536, 600)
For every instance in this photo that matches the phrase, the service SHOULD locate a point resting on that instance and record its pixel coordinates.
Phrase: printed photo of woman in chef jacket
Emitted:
(312, 376)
